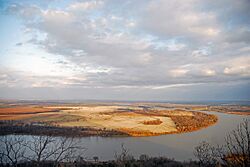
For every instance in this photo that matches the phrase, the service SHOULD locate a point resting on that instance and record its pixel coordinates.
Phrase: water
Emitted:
(178, 146)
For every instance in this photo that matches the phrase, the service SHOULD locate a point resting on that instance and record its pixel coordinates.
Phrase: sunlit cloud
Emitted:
(157, 45)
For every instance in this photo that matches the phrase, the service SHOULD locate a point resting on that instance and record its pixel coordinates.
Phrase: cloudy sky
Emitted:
(125, 50)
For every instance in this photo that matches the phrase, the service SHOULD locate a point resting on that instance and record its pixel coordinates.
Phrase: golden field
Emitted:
(134, 120)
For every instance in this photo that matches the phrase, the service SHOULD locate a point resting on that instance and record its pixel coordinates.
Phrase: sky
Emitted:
(156, 50)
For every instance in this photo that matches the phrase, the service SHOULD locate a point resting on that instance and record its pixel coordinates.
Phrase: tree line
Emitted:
(37, 128)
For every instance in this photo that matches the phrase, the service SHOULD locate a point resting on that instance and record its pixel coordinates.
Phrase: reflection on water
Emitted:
(178, 146)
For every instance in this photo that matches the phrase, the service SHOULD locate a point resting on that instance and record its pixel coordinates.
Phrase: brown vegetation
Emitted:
(25, 110)
(196, 122)
(152, 122)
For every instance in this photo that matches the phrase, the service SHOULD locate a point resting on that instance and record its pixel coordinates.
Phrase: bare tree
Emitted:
(124, 157)
(67, 149)
(38, 148)
(235, 151)
(238, 146)
(11, 150)
(206, 154)
(45, 148)
(144, 157)
(96, 158)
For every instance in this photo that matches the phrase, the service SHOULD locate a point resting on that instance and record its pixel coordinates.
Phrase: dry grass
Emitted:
(132, 120)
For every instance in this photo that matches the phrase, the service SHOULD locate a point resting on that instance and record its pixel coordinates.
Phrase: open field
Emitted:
(136, 119)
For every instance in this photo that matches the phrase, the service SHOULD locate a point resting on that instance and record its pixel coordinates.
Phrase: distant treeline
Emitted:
(18, 127)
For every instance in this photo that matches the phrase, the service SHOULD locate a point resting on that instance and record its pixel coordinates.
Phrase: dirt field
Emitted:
(22, 112)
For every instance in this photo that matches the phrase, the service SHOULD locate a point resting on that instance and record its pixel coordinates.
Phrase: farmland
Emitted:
(135, 119)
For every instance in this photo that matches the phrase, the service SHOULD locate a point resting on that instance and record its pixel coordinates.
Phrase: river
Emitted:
(177, 146)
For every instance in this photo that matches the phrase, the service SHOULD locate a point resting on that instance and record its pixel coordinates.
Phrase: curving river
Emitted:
(178, 146)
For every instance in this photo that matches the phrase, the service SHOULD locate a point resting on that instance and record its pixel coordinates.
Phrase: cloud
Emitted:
(82, 6)
(240, 35)
(157, 44)
(178, 72)
(238, 66)
(175, 85)
(19, 44)
(209, 72)
(10, 78)
(175, 18)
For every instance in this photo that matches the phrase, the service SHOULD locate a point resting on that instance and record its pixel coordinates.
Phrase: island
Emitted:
(101, 119)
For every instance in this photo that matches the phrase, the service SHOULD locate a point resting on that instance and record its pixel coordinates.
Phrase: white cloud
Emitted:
(238, 66)
(131, 24)
(175, 85)
(175, 18)
(209, 72)
(145, 58)
(178, 72)
(241, 70)
(175, 46)
(82, 6)
(157, 44)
